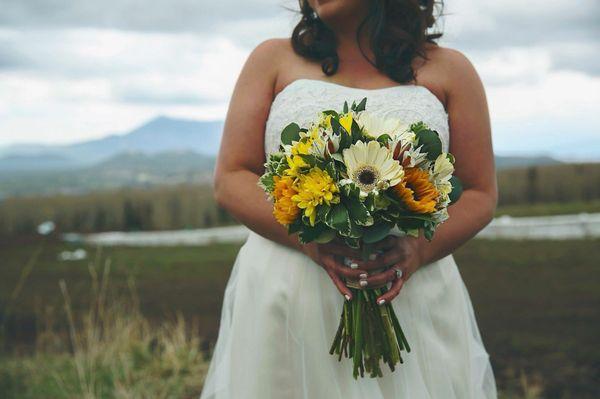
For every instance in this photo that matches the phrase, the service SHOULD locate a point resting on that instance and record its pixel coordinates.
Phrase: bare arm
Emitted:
(241, 156)
(471, 144)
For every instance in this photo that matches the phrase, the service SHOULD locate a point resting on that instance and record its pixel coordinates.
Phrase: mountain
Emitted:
(132, 169)
(162, 134)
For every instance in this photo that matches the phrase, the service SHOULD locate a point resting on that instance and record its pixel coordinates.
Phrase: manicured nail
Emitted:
(381, 301)
(363, 283)
(363, 276)
(347, 297)
(372, 256)
(353, 265)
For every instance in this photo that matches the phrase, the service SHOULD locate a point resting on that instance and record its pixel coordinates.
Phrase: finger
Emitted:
(342, 270)
(381, 278)
(353, 274)
(345, 291)
(392, 293)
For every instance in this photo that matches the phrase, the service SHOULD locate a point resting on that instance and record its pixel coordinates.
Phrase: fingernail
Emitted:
(363, 283)
(347, 297)
(372, 256)
(353, 265)
(381, 301)
(363, 276)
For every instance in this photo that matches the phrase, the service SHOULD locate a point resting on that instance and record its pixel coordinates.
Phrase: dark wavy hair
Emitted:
(397, 32)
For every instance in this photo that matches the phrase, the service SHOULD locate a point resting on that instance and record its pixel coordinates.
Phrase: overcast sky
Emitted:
(74, 70)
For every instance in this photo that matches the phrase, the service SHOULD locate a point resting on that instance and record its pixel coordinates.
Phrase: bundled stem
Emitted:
(369, 334)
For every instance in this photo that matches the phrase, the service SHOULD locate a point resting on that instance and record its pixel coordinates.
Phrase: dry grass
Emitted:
(110, 351)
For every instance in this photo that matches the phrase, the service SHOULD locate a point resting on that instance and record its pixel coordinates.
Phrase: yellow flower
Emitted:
(313, 189)
(284, 209)
(416, 191)
(346, 122)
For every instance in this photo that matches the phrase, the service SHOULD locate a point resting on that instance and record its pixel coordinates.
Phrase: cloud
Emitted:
(76, 70)
(135, 15)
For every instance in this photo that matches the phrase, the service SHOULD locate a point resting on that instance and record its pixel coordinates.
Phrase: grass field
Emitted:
(536, 303)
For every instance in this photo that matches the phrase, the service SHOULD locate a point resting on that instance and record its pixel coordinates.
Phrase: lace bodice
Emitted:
(301, 100)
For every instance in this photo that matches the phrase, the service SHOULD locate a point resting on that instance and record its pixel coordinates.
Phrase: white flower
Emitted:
(371, 167)
(375, 126)
(441, 174)
(46, 228)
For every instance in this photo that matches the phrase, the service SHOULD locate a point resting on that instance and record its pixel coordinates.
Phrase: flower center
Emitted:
(366, 177)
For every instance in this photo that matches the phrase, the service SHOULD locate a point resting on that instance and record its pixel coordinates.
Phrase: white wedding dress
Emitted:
(281, 310)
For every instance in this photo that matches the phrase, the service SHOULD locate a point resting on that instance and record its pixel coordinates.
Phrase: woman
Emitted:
(281, 309)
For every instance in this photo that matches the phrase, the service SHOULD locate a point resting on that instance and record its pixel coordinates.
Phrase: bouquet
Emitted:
(354, 176)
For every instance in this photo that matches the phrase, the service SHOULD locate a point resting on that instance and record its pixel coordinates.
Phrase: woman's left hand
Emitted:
(397, 253)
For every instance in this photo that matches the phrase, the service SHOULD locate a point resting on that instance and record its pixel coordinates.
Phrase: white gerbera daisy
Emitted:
(375, 126)
(371, 167)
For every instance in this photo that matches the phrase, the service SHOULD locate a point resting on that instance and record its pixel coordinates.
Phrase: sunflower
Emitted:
(313, 189)
(285, 209)
(371, 166)
(416, 191)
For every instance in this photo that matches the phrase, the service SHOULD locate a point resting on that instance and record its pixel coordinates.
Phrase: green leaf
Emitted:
(325, 236)
(457, 189)
(339, 219)
(322, 212)
(266, 182)
(290, 133)
(331, 112)
(345, 140)
(357, 210)
(377, 232)
(431, 143)
(311, 160)
(311, 233)
(337, 127)
(384, 138)
(356, 231)
(345, 107)
(356, 133)
(361, 105)
(295, 226)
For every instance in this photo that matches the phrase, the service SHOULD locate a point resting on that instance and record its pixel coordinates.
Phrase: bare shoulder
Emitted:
(455, 66)
(268, 53)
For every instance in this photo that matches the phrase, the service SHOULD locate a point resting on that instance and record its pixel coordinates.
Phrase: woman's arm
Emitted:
(241, 155)
(471, 144)
(241, 161)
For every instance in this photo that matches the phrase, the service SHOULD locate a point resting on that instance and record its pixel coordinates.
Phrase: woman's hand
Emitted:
(397, 253)
(330, 257)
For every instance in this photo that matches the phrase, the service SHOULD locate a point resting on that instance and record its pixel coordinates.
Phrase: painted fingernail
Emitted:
(353, 265)
(363, 283)
(363, 276)
(372, 256)
(347, 297)
(381, 301)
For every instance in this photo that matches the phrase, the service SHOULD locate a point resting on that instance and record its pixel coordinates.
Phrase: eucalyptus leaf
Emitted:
(290, 133)
(457, 189)
(430, 142)
(377, 232)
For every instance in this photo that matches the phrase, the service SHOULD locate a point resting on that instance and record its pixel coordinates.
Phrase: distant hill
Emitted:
(122, 170)
(161, 134)
(507, 162)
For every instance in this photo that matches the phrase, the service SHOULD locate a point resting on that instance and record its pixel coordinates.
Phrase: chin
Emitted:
(331, 10)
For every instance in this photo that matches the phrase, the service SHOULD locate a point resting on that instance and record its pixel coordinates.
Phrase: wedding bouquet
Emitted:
(355, 176)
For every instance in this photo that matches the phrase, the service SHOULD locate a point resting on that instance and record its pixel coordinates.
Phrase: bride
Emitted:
(283, 299)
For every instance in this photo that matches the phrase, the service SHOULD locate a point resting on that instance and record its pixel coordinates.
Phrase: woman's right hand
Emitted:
(330, 257)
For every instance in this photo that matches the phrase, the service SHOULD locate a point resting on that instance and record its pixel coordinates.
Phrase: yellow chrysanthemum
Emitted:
(313, 189)
(285, 209)
(416, 191)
